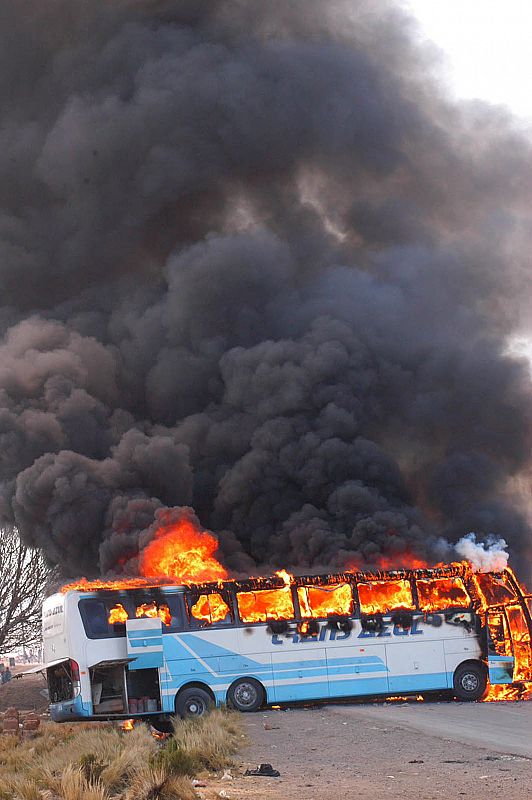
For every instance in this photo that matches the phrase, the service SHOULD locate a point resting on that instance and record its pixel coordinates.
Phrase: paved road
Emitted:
(504, 727)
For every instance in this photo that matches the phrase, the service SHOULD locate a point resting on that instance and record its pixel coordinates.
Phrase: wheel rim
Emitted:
(195, 707)
(245, 694)
(470, 682)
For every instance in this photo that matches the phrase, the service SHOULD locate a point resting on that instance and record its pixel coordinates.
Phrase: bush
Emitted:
(175, 760)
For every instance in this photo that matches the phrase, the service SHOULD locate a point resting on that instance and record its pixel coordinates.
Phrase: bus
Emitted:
(153, 651)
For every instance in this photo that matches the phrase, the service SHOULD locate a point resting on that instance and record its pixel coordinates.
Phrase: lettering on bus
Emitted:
(53, 619)
(327, 634)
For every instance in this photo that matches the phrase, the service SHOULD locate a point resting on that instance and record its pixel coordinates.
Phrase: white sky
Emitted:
(489, 45)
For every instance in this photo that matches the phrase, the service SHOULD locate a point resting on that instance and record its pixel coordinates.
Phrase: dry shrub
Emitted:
(155, 783)
(16, 787)
(99, 762)
(210, 740)
(74, 786)
(138, 747)
(176, 761)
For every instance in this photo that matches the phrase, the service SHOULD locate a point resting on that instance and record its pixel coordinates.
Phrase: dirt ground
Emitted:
(368, 751)
(363, 752)
(27, 693)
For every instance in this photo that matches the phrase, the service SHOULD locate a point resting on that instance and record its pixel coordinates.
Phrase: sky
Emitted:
(487, 43)
(487, 55)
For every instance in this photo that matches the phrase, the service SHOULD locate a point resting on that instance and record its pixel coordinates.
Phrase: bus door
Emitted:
(521, 641)
(144, 638)
(499, 648)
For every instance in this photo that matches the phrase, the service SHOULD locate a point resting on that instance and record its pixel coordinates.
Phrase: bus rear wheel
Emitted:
(193, 702)
(246, 694)
(469, 682)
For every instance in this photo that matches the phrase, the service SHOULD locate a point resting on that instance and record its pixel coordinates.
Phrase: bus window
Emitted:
(324, 601)
(209, 609)
(440, 593)
(494, 589)
(153, 610)
(265, 604)
(521, 643)
(499, 641)
(101, 618)
(528, 601)
(174, 604)
(378, 597)
(117, 614)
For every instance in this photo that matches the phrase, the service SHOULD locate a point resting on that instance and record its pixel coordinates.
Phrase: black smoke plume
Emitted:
(254, 261)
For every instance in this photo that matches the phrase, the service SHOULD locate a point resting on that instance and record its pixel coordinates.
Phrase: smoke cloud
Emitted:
(485, 556)
(255, 262)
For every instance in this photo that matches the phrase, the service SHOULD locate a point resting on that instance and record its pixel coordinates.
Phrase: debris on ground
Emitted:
(264, 770)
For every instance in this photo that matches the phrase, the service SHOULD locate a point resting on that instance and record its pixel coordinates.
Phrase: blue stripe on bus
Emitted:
(142, 643)
(420, 682)
(147, 660)
(147, 633)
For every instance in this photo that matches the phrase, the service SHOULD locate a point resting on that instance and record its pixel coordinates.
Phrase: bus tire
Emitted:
(193, 702)
(469, 681)
(245, 694)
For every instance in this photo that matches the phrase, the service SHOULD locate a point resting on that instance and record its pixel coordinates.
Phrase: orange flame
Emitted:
(509, 633)
(181, 551)
(128, 724)
(437, 594)
(324, 601)
(153, 610)
(378, 597)
(404, 560)
(210, 608)
(118, 614)
(265, 604)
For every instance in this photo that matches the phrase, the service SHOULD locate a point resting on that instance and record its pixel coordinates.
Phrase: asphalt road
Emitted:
(503, 727)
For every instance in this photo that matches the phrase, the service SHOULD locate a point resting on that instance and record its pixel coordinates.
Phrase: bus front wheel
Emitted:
(245, 694)
(469, 681)
(193, 702)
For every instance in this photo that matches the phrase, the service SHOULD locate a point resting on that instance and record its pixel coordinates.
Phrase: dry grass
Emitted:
(100, 762)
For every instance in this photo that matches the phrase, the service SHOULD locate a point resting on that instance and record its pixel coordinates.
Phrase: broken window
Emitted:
(265, 604)
(441, 593)
(325, 601)
(494, 590)
(521, 643)
(379, 597)
(209, 609)
(102, 618)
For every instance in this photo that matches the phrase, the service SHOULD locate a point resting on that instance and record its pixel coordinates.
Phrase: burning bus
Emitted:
(143, 649)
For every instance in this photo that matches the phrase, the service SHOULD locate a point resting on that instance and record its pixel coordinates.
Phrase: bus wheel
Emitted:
(193, 702)
(469, 682)
(245, 694)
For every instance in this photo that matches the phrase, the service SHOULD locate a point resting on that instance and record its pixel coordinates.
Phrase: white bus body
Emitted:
(144, 668)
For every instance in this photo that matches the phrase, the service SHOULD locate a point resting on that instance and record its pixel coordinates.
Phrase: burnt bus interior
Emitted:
(117, 690)
(60, 683)
(451, 591)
